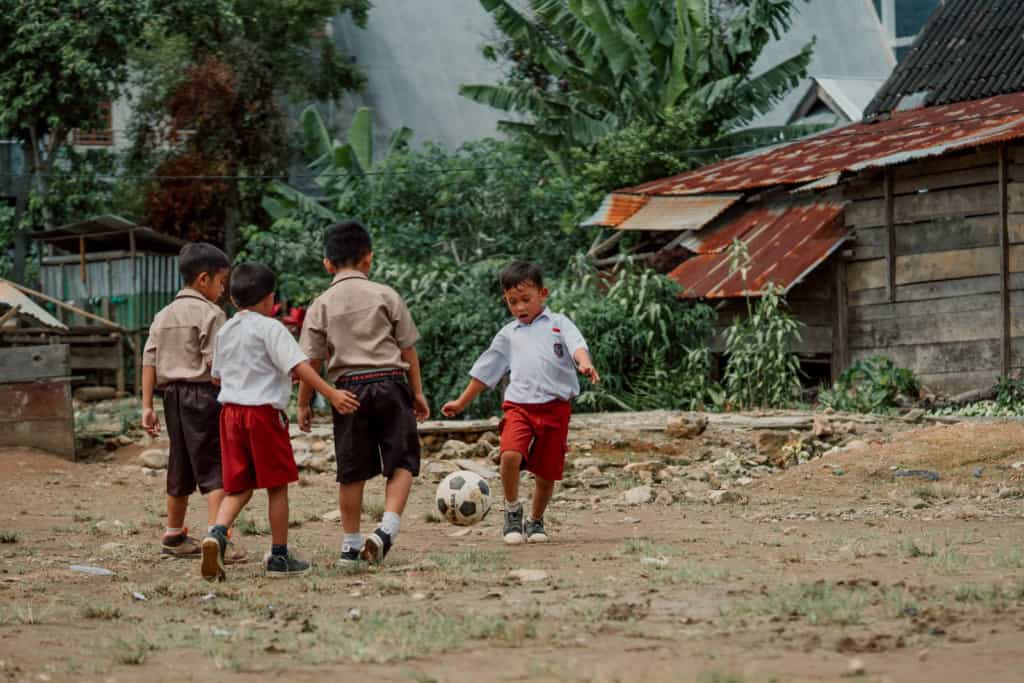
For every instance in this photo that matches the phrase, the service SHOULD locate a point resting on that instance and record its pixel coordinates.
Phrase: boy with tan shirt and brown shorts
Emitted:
(364, 331)
(177, 360)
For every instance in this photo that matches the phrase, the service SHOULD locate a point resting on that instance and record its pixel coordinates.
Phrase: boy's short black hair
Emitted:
(346, 243)
(519, 273)
(250, 283)
(198, 258)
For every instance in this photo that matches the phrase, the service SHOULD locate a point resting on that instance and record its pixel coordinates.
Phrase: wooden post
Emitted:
(840, 320)
(1004, 263)
(120, 374)
(890, 230)
(137, 360)
(81, 260)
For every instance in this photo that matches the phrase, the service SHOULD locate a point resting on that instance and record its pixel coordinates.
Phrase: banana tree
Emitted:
(338, 166)
(611, 62)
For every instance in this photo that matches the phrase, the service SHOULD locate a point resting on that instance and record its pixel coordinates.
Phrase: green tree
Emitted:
(60, 61)
(584, 69)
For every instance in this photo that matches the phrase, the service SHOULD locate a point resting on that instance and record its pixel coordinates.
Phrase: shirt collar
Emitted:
(546, 313)
(348, 275)
(189, 293)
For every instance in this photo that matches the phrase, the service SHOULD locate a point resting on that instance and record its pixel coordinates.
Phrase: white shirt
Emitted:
(539, 357)
(253, 359)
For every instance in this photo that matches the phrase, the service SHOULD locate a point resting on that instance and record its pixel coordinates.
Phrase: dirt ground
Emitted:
(853, 565)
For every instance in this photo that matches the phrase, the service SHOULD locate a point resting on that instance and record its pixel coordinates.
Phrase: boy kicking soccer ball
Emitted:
(543, 351)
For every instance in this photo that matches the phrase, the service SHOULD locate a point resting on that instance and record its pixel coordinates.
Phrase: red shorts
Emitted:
(540, 432)
(255, 450)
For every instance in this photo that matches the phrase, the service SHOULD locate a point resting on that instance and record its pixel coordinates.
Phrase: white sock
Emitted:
(173, 531)
(389, 524)
(513, 505)
(352, 542)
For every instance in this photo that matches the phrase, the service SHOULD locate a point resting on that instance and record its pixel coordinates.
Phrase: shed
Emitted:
(924, 261)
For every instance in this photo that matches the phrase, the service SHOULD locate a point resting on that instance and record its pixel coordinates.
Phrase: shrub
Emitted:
(872, 385)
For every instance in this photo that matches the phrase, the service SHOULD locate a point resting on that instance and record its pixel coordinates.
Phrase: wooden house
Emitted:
(901, 235)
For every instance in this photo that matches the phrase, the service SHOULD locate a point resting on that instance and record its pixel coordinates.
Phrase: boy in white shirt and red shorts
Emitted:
(542, 351)
(255, 357)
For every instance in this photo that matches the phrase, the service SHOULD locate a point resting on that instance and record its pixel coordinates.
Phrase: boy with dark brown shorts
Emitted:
(177, 360)
(542, 351)
(255, 358)
(367, 336)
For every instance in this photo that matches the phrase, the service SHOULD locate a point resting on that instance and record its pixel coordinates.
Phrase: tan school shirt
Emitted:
(181, 338)
(358, 325)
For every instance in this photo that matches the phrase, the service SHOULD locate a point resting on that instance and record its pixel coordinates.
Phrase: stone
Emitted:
(638, 495)
(915, 503)
(855, 667)
(744, 481)
(822, 427)
(455, 449)
(585, 463)
(436, 470)
(483, 469)
(302, 458)
(332, 516)
(528, 575)
(321, 463)
(318, 446)
(154, 458)
(654, 561)
(856, 444)
(724, 496)
(600, 483)
(490, 438)
(590, 473)
(123, 440)
(646, 466)
(664, 498)
(914, 415)
(685, 427)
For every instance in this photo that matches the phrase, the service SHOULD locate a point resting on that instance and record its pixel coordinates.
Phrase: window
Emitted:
(903, 20)
(102, 137)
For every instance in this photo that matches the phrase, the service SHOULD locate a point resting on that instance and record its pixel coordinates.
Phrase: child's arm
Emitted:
(150, 422)
(420, 405)
(306, 398)
(585, 365)
(578, 348)
(343, 401)
(472, 390)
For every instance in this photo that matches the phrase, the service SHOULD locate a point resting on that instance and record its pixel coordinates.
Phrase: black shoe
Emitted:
(283, 566)
(535, 531)
(513, 530)
(376, 546)
(214, 546)
(349, 559)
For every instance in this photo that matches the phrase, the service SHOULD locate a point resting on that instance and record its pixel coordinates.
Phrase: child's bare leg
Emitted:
(511, 462)
(542, 491)
(350, 504)
(230, 507)
(177, 506)
(277, 511)
(213, 501)
(396, 491)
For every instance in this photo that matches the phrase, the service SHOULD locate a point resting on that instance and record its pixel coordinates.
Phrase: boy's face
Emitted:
(212, 285)
(526, 301)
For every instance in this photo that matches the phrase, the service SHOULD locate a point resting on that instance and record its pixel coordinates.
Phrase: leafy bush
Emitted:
(1010, 394)
(761, 370)
(872, 385)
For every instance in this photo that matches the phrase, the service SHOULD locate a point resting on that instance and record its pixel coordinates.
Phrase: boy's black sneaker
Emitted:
(376, 546)
(349, 559)
(535, 531)
(214, 546)
(513, 530)
(284, 566)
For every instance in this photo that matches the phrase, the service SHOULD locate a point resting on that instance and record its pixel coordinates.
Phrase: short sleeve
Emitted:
(149, 352)
(215, 368)
(406, 333)
(572, 336)
(208, 333)
(492, 365)
(284, 351)
(313, 340)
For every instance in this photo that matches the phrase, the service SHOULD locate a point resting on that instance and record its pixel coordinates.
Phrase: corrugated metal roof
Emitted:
(679, 213)
(10, 297)
(907, 135)
(968, 49)
(109, 233)
(614, 209)
(785, 243)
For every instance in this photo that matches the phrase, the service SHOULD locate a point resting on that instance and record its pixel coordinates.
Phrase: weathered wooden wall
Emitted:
(942, 317)
(35, 399)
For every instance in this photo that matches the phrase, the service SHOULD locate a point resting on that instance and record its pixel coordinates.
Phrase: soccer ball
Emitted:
(463, 498)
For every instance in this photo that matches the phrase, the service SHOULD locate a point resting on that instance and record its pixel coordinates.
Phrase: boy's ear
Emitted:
(544, 292)
(329, 267)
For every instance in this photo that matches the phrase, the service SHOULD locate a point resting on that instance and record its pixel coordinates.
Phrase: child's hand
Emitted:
(344, 402)
(421, 407)
(150, 422)
(305, 418)
(452, 408)
(587, 368)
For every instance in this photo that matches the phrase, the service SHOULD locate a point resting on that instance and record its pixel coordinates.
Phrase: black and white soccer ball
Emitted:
(463, 498)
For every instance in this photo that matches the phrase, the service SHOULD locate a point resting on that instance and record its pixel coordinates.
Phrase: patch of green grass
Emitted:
(948, 560)
(247, 526)
(819, 603)
(1008, 558)
(917, 547)
(373, 509)
(431, 517)
(640, 545)
(100, 610)
(987, 596)
(934, 492)
(9, 536)
(25, 615)
(471, 560)
(693, 573)
(81, 517)
(132, 651)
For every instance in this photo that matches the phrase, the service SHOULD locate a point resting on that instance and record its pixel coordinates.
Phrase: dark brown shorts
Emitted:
(193, 426)
(381, 435)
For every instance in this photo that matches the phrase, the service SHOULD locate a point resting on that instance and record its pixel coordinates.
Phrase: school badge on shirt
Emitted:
(559, 350)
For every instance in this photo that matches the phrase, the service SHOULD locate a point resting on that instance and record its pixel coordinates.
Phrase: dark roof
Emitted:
(109, 233)
(968, 50)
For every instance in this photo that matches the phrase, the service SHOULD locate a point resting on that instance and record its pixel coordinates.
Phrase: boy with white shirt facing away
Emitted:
(542, 351)
(255, 357)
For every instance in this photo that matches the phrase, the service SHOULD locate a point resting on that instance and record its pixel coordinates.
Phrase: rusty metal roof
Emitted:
(908, 135)
(614, 210)
(784, 243)
(679, 213)
(11, 297)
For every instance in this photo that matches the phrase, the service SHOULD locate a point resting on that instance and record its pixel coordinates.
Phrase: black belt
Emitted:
(371, 377)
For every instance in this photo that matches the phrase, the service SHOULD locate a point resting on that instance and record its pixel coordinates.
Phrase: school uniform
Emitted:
(254, 358)
(542, 381)
(180, 348)
(359, 328)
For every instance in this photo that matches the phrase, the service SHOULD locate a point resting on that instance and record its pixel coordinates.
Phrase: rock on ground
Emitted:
(154, 458)
(638, 495)
(686, 427)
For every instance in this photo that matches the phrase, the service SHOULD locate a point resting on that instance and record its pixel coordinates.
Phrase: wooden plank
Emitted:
(890, 235)
(38, 415)
(972, 356)
(947, 265)
(943, 234)
(866, 275)
(937, 307)
(975, 200)
(958, 382)
(95, 357)
(840, 321)
(952, 167)
(1004, 262)
(19, 364)
(929, 329)
(937, 290)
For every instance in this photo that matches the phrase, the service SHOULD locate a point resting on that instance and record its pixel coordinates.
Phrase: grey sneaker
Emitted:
(535, 531)
(513, 530)
(285, 566)
(214, 546)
